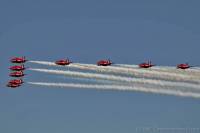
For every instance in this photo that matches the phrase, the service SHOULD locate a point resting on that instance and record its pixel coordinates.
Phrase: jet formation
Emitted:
(17, 72)
(18, 68)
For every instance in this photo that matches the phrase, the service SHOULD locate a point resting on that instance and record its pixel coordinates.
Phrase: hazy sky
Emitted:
(126, 31)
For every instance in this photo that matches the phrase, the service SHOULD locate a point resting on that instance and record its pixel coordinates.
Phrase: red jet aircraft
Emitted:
(104, 63)
(18, 60)
(17, 68)
(63, 62)
(17, 74)
(183, 66)
(146, 65)
(16, 81)
(13, 85)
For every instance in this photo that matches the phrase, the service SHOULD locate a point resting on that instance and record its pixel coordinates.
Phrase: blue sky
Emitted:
(128, 31)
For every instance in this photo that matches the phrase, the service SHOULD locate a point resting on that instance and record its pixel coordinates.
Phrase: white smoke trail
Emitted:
(121, 79)
(44, 63)
(170, 69)
(126, 65)
(159, 67)
(89, 80)
(117, 87)
(130, 71)
(146, 73)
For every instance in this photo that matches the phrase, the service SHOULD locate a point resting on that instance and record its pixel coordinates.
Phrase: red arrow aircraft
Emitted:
(17, 68)
(13, 85)
(146, 64)
(104, 63)
(183, 66)
(63, 62)
(18, 60)
(17, 74)
(16, 81)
